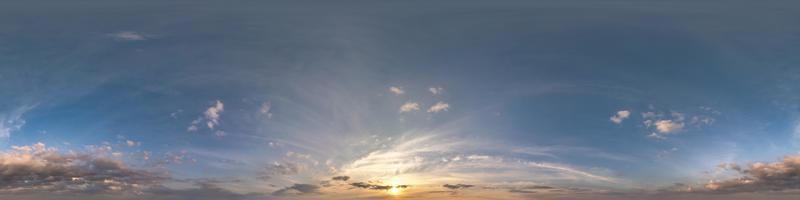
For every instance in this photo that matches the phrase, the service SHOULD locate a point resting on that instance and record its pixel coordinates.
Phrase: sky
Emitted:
(257, 99)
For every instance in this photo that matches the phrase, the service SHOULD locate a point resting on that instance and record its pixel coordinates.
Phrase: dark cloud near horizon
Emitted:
(298, 189)
(340, 178)
(377, 186)
(776, 176)
(457, 186)
(39, 168)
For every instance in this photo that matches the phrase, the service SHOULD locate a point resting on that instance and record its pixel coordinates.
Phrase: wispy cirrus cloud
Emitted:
(128, 36)
(13, 121)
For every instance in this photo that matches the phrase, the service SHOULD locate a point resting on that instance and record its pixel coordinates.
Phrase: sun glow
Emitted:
(395, 191)
(395, 182)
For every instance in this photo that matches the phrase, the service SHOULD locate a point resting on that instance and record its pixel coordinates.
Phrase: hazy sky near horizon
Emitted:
(399, 99)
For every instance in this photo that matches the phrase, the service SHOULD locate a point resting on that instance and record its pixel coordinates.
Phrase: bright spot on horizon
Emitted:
(395, 191)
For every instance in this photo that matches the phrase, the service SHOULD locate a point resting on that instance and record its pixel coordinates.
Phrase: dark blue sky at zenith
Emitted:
(576, 99)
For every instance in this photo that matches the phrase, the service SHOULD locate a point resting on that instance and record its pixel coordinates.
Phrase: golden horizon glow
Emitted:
(395, 191)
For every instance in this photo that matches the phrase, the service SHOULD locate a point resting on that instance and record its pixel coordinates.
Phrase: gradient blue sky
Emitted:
(270, 99)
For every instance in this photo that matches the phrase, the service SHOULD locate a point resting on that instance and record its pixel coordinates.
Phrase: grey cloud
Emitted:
(340, 178)
(376, 186)
(457, 186)
(776, 176)
(298, 188)
(276, 169)
(37, 168)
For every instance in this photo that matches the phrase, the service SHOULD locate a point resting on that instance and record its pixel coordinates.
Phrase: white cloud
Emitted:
(438, 107)
(213, 113)
(669, 126)
(132, 143)
(436, 90)
(128, 36)
(620, 116)
(211, 116)
(265, 109)
(409, 106)
(12, 121)
(397, 90)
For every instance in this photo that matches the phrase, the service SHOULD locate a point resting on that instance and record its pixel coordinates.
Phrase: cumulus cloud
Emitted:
(436, 90)
(212, 114)
(128, 36)
(298, 189)
(211, 117)
(409, 106)
(668, 126)
(438, 107)
(396, 90)
(40, 168)
(776, 176)
(457, 186)
(620, 116)
(661, 124)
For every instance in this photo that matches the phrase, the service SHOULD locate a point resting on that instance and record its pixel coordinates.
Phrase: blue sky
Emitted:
(511, 100)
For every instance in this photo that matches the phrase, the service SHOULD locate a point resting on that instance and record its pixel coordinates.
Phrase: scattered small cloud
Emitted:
(280, 169)
(409, 106)
(265, 109)
(132, 143)
(396, 90)
(669, 126)
(211, 117)
(439, 107)
(620, 116)
(128, 36)
(436, 90)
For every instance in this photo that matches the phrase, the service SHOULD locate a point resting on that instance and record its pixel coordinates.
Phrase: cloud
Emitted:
(211, 116)
(265, 109)
(282, 169)
(128, 36)
(298, 189)
(377, 186)
(620, 116)
(409, 106)
(12, 121)
(132, 143)
(457, 186)
(436, 90)
(40, 168)
(397, 90)
(776, 176)
(438, 107)
(669, 126)
(340, 178)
